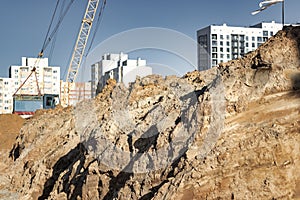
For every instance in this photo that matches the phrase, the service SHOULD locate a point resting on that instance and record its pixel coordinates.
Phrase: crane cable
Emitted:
(49, 28)
(48, 39)
(39, 55)
(53, 33)
(55, 37)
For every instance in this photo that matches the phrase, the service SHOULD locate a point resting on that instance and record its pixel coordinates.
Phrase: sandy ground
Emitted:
(10, 126)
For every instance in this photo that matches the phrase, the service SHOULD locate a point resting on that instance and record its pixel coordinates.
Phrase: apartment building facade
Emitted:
(48, 76)
(118, 67)
(72, 93)
(48, 81)
(6, 95)
(221, 43)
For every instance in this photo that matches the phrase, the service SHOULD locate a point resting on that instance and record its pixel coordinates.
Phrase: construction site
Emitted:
(102, 148)
(229, 132)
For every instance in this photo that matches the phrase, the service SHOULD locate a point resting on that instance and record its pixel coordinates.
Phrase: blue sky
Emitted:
(25, 22)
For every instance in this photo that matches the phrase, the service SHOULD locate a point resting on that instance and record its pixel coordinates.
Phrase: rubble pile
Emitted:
(232, 132)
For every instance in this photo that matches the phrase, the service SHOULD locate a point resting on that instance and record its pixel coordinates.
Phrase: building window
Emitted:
(202, 40)
(221, 43)
(234, 37)
(5, 108)
(228, 43)
(214, 55)
(253, 38)
(228, 49)
(221, 49)
(221, 55)
(242, 37)
(49, 101)
(214, 43)
(54, 71)
(265, 33)
(5, 83)
(247, 38)
(242, 44)
(214, 49)
(214, 37)
(214, 62)
(265, 39)
(271, 33)
(228, 56)
(227, 37)
(259, 39)
(253, 44)
(221, 37)
(16, 71)
(247, 44)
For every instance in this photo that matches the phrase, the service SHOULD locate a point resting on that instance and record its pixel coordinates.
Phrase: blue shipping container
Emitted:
(28, 103)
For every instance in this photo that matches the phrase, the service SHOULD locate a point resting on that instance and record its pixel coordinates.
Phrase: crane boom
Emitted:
(82, 39)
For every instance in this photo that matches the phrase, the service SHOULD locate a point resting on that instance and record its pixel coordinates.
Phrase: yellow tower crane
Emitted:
(79, 48)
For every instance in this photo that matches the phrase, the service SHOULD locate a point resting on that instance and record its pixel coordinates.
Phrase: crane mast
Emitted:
(82, 39)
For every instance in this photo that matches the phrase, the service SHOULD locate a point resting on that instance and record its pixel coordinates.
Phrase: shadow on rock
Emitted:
(293, 33)
(296, 81)
(143, 144)
(66, 163)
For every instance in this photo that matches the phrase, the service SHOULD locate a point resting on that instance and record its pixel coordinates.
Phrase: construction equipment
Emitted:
(80, 46)
(33, 71)
(33, 102)
(26, 104)
(82, 39)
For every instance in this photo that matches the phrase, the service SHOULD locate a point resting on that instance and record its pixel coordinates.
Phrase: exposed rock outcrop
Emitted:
(232, 132)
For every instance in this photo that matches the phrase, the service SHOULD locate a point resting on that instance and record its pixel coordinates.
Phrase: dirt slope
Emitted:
(232, 132)
(10, 126)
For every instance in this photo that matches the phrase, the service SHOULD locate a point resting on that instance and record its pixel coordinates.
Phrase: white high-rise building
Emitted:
(107, 63)
(48, 81)
(48, 76)
(118, 67)
(221, 43)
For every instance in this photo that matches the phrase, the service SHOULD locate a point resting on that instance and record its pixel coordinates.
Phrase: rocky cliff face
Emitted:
(232, 132)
